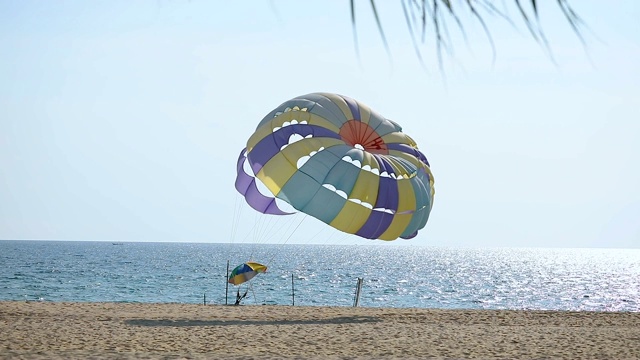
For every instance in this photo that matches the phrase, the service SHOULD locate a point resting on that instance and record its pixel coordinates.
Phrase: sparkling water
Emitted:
(394, 276)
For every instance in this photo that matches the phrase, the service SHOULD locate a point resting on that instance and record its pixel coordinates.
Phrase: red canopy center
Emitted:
(362, 136)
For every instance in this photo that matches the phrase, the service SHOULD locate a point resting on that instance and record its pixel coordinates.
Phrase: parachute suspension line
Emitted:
(274, 226)
(235, 219)
(258, 223)
(318, 233)
(269, 223)
(269, 227)
(330, 234)
(288, 238)
(281, 226)
(244, 239)
(263, 225)
(252, 234)
(237, 212)
(343, 237)
(249, 233)
(338, 236)
(322, 230)
(253, 293)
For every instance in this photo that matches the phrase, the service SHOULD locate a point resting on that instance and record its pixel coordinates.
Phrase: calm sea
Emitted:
(394, 276)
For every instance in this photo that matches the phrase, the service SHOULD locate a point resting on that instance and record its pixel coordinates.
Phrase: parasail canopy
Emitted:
(334, 158)
(245, 272)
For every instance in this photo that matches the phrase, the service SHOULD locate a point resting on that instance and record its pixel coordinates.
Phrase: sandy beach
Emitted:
(44, 330)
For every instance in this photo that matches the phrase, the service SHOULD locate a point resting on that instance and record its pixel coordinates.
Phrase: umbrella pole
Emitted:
(226, 291)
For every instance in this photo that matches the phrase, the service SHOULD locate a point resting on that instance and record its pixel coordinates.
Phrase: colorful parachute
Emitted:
(245, 272)
(335, 159)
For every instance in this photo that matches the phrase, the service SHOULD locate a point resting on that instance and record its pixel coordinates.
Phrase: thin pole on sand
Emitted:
(358, 289)
(226, 291)
(293, 292)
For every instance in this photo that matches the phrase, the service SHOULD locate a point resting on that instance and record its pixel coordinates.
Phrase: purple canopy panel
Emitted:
(246, 185)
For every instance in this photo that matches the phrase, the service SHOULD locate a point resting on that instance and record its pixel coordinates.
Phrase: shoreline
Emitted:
(36, 329)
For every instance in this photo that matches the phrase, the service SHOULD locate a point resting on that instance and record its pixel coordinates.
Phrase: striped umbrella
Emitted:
(246, 272)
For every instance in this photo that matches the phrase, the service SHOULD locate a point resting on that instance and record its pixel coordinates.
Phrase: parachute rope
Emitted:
(288, 238)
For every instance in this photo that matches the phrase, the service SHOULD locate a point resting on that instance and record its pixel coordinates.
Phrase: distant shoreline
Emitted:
(37, 329)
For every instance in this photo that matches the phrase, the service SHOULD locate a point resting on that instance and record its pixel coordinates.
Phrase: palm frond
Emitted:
(435, 12)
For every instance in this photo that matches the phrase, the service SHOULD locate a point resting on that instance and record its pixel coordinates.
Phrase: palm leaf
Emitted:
(431, 12)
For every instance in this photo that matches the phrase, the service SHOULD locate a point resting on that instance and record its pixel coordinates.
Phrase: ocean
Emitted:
(323, 275)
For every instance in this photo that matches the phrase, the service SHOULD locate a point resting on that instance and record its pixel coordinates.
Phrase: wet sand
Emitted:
(46, 330)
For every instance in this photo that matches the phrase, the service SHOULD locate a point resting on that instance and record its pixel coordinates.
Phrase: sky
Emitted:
(122, 121)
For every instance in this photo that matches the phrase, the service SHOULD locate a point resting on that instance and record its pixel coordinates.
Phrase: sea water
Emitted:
(323, 275)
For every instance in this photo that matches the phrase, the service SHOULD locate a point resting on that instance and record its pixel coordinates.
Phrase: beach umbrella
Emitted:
(332, 157)
(245, 272)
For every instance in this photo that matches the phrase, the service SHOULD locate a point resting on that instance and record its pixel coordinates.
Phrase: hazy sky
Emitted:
(122, 120)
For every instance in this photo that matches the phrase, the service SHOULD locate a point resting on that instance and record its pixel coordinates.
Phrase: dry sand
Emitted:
(46, 330)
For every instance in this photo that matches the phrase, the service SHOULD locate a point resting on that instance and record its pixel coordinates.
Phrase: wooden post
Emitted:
(293, 292)
(204, 299)
(358, 289)
(226, 280)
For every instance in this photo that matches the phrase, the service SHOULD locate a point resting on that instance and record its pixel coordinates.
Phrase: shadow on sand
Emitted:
(181, 323)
